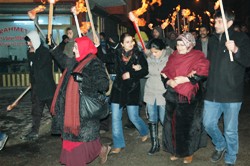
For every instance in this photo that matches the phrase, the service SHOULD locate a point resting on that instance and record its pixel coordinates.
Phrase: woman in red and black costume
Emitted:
(84, 73)
(186, 69)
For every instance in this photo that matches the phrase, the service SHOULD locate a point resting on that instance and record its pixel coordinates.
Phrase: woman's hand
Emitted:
(96, 40)
(164, 75)
(181, 79)
(126, 76)
(136, 67)
(172, 83)
(191, 74)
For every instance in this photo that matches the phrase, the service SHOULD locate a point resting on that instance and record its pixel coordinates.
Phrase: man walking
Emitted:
(225, 87)
(42, 82)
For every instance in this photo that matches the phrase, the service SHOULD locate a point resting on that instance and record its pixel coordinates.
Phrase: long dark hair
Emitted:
(124, 35)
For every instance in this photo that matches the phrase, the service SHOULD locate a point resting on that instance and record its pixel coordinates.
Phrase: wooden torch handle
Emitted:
(11, 106)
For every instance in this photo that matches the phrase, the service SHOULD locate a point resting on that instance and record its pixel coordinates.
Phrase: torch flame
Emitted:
(185, 12)
(173, 18)
(191, 18)
(217, 5)
(32, 13)
(141, 22)
(174, 14)
(80, 7)
(142, 9)
(165, 24)
(85, 27)
(185, 28)
(207, 13)
(134, 15)
(155, 1)
(52, 1)
(150, 26)
(178, 8)
(134, 18)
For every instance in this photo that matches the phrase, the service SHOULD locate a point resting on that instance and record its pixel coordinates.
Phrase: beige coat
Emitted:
(154, 88)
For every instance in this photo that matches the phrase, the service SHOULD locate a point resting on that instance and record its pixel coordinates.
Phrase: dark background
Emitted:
(240, 7)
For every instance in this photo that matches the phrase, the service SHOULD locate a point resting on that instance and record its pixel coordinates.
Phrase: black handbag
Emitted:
(94, 108)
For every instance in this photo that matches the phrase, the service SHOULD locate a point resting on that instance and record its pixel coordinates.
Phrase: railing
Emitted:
(20, 79)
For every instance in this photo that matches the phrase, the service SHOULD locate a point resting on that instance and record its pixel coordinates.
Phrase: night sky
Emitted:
(168, 5)
(162, 12)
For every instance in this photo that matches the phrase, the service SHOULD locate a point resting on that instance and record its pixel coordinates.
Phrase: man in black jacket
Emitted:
(225, 87)
(41, 79)
(202, 41)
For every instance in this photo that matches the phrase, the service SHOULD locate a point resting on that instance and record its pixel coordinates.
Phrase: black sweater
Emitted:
(226, 79)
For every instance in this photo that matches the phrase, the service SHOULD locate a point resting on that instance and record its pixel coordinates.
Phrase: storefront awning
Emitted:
(60, 7)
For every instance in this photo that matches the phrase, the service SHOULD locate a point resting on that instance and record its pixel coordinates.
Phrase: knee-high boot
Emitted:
(153, 128)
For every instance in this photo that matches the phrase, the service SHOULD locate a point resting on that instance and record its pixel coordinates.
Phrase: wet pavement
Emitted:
(46, 150)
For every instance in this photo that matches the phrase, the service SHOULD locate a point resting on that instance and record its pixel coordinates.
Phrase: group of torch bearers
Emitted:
(233, 50)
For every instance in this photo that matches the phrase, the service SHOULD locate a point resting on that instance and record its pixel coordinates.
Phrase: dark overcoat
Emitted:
(226, 78)
(127, 92)
(94, 80)
(41, 75)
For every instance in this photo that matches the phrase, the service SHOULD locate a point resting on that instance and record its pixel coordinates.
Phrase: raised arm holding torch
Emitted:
(32, 15)
(74, 11)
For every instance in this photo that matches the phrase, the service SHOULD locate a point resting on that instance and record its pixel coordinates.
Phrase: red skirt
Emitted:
(79, 153)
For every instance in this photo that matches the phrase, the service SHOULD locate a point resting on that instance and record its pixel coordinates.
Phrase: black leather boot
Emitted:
(153, 128)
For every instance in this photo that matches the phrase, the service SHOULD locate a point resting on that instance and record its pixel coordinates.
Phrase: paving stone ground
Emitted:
(46, 150)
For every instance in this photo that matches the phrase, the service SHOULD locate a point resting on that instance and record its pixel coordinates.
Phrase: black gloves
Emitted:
(164, 80)
(52, 44)
(197, 78)
(78, 77)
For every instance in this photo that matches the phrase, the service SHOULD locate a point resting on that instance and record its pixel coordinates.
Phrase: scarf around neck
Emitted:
(72, 100)
(182, 65)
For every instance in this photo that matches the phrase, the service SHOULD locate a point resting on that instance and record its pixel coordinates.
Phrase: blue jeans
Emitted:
(156, 112)
(211, 116)
(117, 131)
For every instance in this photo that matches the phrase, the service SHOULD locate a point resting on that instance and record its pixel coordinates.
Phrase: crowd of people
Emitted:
(189, 83)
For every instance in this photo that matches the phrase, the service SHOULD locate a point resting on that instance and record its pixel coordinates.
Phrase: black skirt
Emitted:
(183, 131)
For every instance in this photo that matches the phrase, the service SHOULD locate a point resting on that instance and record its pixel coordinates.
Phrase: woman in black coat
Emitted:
(186, 69)
(131, 66)
(84, 75)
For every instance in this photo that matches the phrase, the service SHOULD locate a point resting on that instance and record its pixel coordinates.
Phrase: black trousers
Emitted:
(37, 110)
